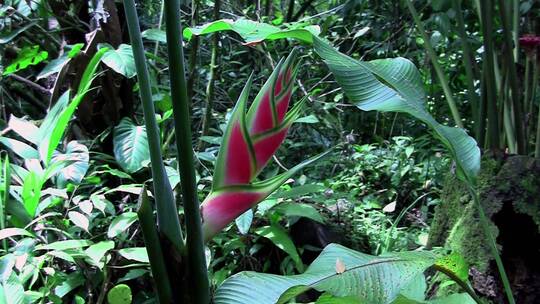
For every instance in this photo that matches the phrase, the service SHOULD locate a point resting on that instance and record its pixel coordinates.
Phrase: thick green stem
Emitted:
(153, 248)
(169, 223)
(486, 8)
(468, 61)
(198, 275)
(460, 282)
(519, 121)
(434, 61)
(492, 245)
(207, 119)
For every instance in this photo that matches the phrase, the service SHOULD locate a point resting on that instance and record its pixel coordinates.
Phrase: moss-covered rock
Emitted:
(456, 225)
(509, 191)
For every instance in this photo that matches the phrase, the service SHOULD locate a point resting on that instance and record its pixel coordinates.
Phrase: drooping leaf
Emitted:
(370, 279)
(120, 60)
(281, 239)
(130, 145)
(456, 264)
(395, 85)
(72, 281)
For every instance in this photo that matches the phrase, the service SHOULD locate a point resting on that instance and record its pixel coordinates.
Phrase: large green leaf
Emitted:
(368, 278)
(395, 85)
(120, 60)
(254, 32)
(384, 85)
(130, 145)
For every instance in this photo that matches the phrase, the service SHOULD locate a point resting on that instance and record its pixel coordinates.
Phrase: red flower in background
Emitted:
(529, 42)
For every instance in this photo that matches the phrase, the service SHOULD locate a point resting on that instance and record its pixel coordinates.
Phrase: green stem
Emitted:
(492, 245)
(468, 61)
(211, 82)
(198, 274)
(513, 81)
(153, 248)
(160, 22)
(438, 70)
(486, 8)
(169, 224)
(460, 282)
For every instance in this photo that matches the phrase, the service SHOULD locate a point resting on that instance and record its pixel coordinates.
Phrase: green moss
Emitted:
(456, 225)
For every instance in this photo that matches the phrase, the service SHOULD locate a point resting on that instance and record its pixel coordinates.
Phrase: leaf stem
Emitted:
(460, 282)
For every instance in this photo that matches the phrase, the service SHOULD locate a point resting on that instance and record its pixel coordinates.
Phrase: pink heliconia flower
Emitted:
(248, 144)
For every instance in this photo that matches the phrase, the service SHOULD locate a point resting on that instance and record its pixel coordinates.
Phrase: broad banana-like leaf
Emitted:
(392, 85)
(340, 271)
(247, 145)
